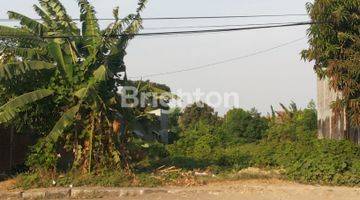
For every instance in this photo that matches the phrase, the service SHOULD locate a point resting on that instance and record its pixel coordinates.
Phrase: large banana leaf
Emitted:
(58, 12)
(11, 70)
(9, 110)
(99, 76)
(118, 52)
(141, 6)
(25, 52)
(66, 120)
(90, 26)
(44, 16)
(7, 32)
(34, 26)
(55, 50)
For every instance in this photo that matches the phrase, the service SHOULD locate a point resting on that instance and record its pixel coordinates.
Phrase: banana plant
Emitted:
(67, 76)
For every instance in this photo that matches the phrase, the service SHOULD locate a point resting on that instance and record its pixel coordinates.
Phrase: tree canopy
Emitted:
(334, 40)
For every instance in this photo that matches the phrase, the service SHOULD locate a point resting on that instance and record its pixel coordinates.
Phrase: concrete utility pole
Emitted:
(333, 126)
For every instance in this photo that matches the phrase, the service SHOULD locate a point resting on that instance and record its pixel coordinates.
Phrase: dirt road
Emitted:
(257, 190)
(264, 189)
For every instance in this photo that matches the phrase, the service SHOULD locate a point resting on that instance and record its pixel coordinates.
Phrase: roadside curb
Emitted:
(79, 193)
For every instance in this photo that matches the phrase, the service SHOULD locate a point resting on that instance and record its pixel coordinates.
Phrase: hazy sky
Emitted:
(260, 81)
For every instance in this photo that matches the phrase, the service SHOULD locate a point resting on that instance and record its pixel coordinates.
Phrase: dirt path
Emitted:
(258, 190)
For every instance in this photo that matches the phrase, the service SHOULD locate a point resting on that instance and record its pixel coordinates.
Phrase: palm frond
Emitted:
(11, 70)
(34, 26)
(66, 120)
(9, 110)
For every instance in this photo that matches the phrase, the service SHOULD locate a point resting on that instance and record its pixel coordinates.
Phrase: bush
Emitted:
(233, 157)
(197, 146)
(329, 162)
(292, 145)
(244, 126)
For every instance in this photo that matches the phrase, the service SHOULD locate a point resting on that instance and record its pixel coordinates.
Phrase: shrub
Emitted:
(291, 144)
(244, 126)
(198, 145)
(328, 161)
(235, 157)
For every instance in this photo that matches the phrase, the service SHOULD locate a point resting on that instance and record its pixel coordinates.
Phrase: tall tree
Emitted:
(334, 40)
(62, 82)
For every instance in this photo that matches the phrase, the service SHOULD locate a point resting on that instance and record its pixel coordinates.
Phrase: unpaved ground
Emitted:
(257, 190)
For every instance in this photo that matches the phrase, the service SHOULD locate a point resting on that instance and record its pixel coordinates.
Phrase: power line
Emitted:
(168, 33)
(223, 30)
(215, 64)
(215, 26)
(188, 18)
(225, 17)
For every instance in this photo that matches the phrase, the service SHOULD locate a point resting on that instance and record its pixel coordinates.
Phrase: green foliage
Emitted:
(206, 139)
(14, 70)
(195, 112)
(9, 110)
(329, 162)
(293, 125)
(197, 146)
(289, 143)
(104, 178)
(56, 80)
(240, 125)
(174, 127)
(234, 157)
(334, 46)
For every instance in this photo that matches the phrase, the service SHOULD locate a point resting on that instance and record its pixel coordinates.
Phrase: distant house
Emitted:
(333, 126)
